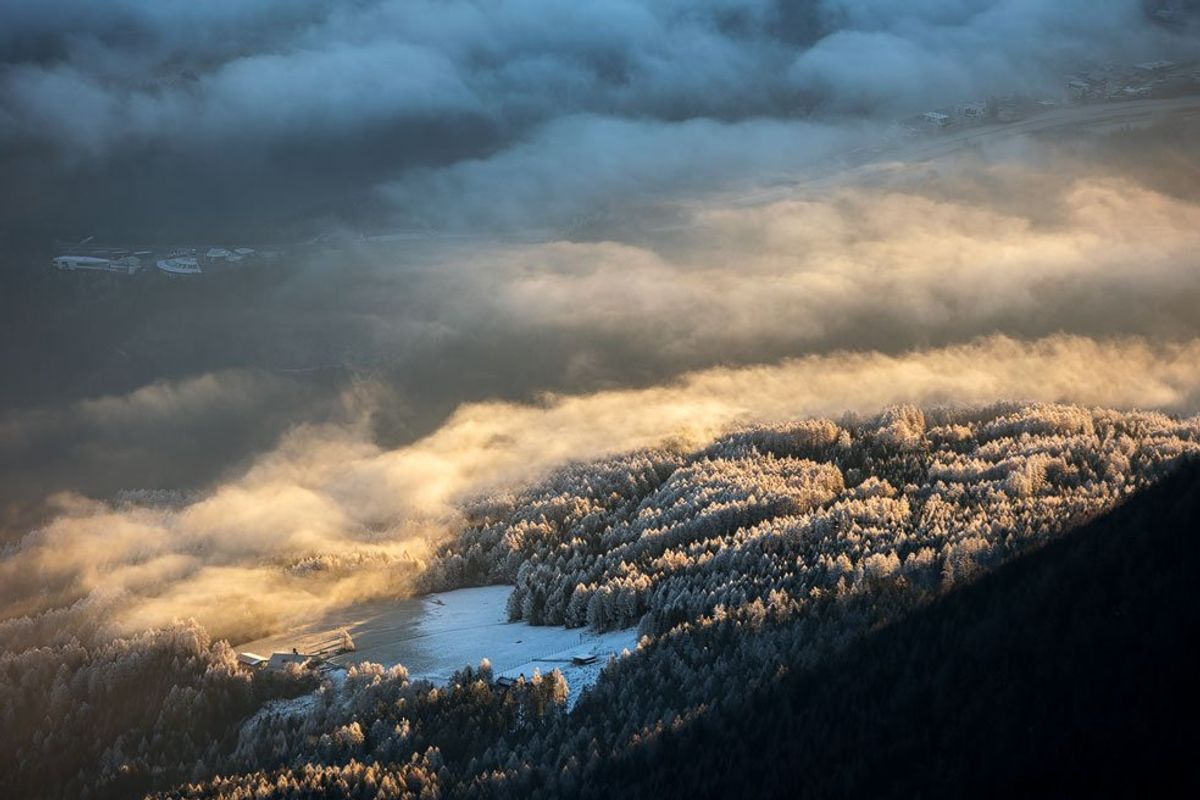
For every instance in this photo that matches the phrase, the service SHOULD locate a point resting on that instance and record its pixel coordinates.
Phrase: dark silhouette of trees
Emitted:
(1069, 672)
(118, 718)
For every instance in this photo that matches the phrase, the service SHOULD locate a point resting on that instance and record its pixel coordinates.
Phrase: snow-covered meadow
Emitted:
(434, 635)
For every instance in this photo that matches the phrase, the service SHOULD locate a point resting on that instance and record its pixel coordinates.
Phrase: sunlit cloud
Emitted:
(230, 558)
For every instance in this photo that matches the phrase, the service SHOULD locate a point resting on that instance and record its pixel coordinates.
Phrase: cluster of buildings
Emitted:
(1107, 83)
(279, 662)
(175, 262)
(1149, 79)
(961, 114)
(999, 109)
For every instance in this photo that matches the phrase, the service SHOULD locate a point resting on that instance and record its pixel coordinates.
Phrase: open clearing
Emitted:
(437, 634)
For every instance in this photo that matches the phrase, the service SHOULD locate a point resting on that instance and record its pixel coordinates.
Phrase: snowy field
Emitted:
(437, 634)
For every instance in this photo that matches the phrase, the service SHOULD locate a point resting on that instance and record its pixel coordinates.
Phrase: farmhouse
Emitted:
(252, 660)
(280, 661)
(971, 110)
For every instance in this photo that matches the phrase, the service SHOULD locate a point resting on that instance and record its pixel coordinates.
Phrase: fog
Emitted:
(544, 232)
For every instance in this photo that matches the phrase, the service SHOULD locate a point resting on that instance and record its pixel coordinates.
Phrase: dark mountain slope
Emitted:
(1069, 672)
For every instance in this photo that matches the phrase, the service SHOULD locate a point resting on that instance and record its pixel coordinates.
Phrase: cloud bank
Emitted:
(278, 110)
(329, 517)
(860, 267)
(988, 281)
(650, 236)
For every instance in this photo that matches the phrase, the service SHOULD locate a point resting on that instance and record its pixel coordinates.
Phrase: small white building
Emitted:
(252, 660)
(1155, 66)
(127, 265)
(1079, 90)
(935, 119)
(278, 662)
(228, 256)
(971, 110)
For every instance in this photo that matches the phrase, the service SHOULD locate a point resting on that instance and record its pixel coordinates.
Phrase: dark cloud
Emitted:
(274, 112)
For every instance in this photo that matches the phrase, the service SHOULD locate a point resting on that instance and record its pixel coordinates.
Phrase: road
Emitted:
(939, 145)
(1086, 116)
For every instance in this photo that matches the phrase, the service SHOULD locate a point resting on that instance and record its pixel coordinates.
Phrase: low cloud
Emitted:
(889, 55)
(583, 169)
(329, 497)
(168, 435)
(872, 267)
(1025, 243)
(629, 262)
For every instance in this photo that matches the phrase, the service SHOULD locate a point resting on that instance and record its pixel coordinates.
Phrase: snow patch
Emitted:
(435, 635)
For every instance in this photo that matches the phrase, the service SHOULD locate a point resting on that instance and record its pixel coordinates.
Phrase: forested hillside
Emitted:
(804, 592)
(1070, 672)
(786, 515)
(89, 718)
(754, 564)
